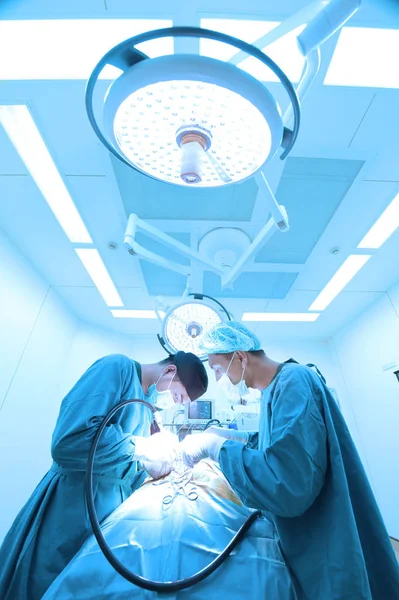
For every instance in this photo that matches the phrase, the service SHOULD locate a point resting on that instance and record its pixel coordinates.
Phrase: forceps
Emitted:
(179, 485)
(180, 490)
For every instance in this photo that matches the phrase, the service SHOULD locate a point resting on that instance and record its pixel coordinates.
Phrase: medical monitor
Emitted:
(199, 411)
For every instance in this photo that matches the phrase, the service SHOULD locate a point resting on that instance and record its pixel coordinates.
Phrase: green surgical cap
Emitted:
(229, 337)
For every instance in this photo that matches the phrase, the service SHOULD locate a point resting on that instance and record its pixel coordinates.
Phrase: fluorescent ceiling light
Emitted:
(21, 128)
(291, 317)
(365, 56)
(134, 314)
(284, 51)
(342, 277)
(100, 276)
(70, 48)
(383, 228)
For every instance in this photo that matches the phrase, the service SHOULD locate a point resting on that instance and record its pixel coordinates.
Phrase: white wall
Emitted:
(363, 347)
(36, 333)
(91, 343)
(44, 350)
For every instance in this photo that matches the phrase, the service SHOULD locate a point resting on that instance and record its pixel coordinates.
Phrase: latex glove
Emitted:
(158, 469)
(229, 434)
(159, 448)
(203, 445)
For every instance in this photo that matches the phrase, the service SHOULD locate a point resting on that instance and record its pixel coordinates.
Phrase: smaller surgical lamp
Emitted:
(184, 325)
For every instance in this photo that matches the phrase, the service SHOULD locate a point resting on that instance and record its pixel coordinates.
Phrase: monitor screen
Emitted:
(200, 410)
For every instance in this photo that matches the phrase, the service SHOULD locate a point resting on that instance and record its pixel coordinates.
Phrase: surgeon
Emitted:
(54, 523)
(302, 469)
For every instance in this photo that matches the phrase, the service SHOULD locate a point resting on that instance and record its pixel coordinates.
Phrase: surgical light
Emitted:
(198, 121)
(185, 324)
(191, 120)
(189, 130)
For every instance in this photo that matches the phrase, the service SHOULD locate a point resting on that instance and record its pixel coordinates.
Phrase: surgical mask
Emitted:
(162, 400)
(233, 392)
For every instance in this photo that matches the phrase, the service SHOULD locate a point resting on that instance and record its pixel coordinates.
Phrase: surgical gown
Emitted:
(54, 523)
(307, 475)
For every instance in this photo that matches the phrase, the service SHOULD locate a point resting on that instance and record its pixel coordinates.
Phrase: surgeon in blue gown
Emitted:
(53, 524)
(302, 470)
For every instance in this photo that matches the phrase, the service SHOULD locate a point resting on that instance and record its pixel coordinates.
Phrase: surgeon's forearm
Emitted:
(285, 486)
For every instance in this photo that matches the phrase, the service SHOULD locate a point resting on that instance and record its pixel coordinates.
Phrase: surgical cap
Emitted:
(192, 374)
(229, 337)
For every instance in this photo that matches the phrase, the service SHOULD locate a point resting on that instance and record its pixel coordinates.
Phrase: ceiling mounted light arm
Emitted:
(263, 236)
(278, 222)
(138, 250)
(326, 23)
(287, 26)
(311, 70)
(135, 224)
(151, 257)
(318, 30)
(277, 211)
(134, 56)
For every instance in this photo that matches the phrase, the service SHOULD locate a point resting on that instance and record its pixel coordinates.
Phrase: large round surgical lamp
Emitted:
(190, 120)
(185, 323)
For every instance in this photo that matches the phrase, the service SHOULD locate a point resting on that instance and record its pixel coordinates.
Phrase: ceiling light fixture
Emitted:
(22, 131)
(342, 277)
(365, 57)
(383, 228)
(69, 48)
(95, 267)
(284, 51)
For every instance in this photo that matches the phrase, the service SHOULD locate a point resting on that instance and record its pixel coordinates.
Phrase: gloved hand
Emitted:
(204, 445)
(160, 447)
(229, 434)
(157, 469)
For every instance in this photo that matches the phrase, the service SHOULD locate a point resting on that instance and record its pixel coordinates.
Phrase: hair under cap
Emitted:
(191, 373)
(228, 337)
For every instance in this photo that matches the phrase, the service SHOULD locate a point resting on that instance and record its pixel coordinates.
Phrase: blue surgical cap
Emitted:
(229, 337)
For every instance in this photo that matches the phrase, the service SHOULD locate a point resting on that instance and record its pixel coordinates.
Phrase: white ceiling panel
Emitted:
(380, 127)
